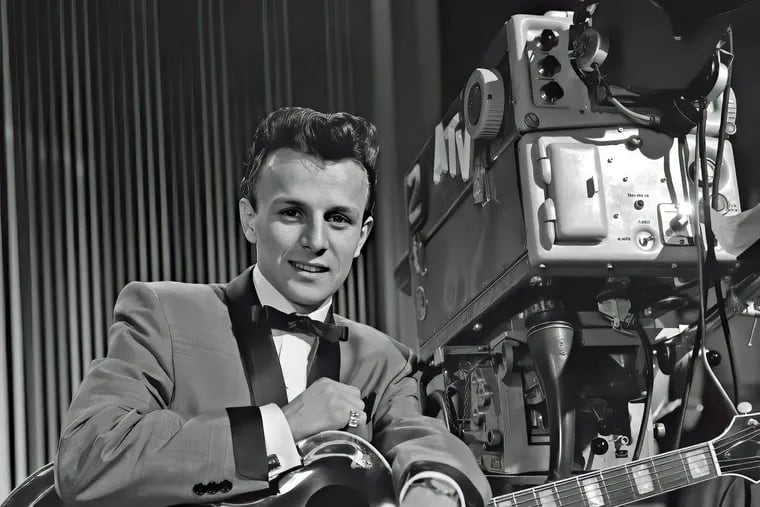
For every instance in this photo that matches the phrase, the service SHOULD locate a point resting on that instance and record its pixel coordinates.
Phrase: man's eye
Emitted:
(340, 219)
(293, 213)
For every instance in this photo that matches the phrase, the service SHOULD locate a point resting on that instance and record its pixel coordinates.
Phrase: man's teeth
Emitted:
(310, 269)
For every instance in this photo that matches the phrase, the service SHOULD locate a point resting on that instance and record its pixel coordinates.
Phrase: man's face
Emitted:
(307, 225)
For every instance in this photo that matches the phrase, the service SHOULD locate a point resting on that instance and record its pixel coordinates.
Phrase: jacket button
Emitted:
(200, 489)
(225, 486)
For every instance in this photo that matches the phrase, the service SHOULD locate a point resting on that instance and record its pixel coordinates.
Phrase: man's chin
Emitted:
(306, 301)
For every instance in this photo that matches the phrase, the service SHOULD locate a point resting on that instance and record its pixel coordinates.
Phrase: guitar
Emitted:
(342, 469)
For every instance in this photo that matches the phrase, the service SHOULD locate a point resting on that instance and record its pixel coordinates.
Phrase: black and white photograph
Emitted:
(379, 253)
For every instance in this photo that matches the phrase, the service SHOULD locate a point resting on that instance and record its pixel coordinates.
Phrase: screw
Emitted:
(531, 120)
(625, 178)
(634, 142)
(609, 160)
(616, 215)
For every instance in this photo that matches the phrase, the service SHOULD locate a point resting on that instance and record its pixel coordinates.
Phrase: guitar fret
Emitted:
(699, 464)
(591, 489)
(546, 497)
(654, 473)
(557, 495)
(621, 484)
(535, 497)
(583, 493)
(683, 464)
(671, 471)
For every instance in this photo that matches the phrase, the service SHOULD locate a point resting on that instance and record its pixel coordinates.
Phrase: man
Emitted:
(206, 388)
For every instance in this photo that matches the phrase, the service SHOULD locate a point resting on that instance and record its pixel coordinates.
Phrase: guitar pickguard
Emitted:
(338, 469)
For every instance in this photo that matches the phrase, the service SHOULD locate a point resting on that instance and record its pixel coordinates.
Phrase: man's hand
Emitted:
(324, 405)
(420, 496)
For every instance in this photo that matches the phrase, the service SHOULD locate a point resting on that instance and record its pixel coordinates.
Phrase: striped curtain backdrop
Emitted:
(125, 124)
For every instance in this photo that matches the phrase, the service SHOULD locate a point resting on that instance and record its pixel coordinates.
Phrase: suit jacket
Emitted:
(170, 415)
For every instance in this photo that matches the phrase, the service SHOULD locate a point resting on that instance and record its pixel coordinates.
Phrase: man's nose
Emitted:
(314, 237)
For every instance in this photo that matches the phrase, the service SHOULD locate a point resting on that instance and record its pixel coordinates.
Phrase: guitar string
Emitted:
(620, 476)
(739, 435)
(680, 454)
(744, 462)
(579, 495)
(624, 471)
(738, 459)
(732, 439)
(661, 478)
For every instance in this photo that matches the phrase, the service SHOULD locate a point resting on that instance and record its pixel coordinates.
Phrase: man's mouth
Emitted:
(309, 268)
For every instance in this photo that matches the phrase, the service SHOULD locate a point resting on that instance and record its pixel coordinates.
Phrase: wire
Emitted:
(683, 155)
(689, 379)
(646, 346)
(727, 336)
(649, 120)
(723, 120)
(714, 205)
(709, 241)
(698, 339)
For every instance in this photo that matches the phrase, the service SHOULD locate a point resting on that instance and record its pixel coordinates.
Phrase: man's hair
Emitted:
(327, 136)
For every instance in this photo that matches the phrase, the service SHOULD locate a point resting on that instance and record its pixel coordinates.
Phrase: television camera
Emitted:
(561, 234)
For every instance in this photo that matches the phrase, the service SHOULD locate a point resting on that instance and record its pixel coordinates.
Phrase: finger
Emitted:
(352, 394)
(354, 403)
(326, 381)
(362, 418)
(348, 388)
(356, 418)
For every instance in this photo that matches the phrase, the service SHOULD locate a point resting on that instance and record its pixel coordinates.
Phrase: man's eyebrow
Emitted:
(289, 202)
(349, 210)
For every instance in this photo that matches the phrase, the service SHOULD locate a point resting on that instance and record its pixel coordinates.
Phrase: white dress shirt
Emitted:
(293, 351)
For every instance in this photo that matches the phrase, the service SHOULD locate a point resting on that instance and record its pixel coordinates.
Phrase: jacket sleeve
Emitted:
(414, 443)
(121, 444)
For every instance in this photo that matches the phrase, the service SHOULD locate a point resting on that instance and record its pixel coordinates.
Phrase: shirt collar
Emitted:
(269, 296)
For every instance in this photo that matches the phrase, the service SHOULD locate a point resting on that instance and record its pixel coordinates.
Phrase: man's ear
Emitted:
(247, 214)
(366, 229)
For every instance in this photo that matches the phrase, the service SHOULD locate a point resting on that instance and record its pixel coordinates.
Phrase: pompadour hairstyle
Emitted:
(327, 136)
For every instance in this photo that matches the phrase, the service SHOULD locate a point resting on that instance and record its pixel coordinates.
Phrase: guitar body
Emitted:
(339, 469)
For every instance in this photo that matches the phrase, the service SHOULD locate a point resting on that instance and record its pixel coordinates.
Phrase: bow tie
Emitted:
(295, 323)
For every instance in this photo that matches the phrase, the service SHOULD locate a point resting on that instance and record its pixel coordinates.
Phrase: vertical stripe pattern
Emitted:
(125, 124)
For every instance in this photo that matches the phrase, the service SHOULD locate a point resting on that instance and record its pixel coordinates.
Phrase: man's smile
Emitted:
(309, 268)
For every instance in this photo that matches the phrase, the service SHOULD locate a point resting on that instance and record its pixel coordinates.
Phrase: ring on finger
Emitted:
(353, 419)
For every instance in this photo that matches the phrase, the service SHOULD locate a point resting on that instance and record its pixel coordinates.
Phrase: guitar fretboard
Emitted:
(622, 484)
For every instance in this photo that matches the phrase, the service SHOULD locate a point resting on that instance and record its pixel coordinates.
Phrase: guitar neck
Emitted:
(621, 484)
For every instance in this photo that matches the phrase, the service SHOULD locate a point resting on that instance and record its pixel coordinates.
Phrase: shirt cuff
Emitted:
(278, 439)
(429, 474)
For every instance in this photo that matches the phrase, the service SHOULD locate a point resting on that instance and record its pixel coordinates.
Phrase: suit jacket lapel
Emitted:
(324, 359)
(255, 343)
